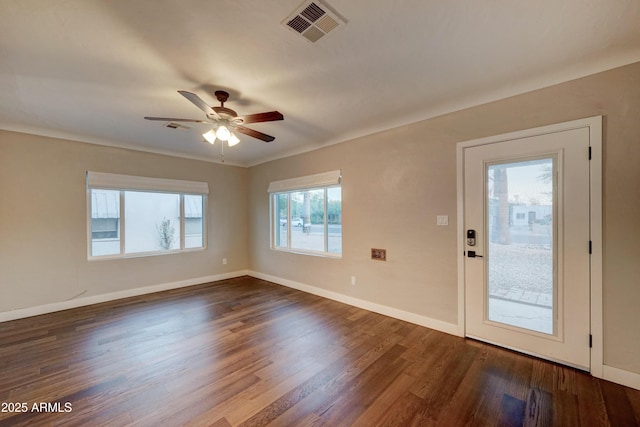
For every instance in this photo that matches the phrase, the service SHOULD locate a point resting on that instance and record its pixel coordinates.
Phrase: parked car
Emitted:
(296, 222)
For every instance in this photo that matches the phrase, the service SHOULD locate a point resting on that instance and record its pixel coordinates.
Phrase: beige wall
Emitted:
(396, 182)
(43, 247)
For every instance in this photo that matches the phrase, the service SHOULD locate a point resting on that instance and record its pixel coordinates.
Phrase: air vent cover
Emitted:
(313, 20)
(174, 125)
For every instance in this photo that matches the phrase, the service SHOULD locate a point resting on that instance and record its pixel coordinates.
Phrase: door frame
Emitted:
(594, 125)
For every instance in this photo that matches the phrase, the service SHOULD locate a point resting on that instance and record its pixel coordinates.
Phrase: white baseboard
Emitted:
(438, 325)
(96, 299)
(620, 376)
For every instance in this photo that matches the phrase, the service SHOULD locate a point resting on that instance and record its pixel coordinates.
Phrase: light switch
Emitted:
(442, 220)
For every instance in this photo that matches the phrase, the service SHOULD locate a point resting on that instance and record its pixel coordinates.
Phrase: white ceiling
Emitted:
(90, 70)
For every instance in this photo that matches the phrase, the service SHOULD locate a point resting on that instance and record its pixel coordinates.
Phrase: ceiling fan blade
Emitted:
(262, 117)
(198, 102)
(254, 133)
(172, 119)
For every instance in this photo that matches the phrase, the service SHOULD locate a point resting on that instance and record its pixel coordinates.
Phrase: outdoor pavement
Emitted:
(521, 285)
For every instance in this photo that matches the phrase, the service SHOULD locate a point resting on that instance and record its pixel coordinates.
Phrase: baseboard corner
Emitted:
(621, 376)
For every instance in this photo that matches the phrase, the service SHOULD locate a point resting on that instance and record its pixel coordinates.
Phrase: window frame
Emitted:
(127, 183)
(324, 182)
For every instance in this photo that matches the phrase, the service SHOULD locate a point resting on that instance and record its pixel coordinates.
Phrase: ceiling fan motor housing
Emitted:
(224, 112)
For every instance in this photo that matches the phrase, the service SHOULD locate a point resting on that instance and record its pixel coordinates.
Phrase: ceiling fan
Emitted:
(224, 121)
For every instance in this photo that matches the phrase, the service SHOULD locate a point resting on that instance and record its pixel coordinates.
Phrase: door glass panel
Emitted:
(520, 249)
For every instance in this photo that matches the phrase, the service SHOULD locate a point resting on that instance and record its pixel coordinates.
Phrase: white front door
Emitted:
(527, 240)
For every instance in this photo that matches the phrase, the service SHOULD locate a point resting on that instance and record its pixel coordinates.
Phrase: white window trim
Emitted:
(320, 180)
(111, 181)
(122, 183)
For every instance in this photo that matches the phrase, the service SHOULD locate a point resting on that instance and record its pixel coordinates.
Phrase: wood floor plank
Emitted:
(359, 393)
(538, 411)
(481, 393)
(619, 409)
(248, 352)
(403, 412)
(512, 411)
(383, 404)
(634, 403)
(590, 400)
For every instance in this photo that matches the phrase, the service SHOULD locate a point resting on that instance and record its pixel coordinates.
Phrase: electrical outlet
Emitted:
(353, 280)
(224, 261)
(379, 254)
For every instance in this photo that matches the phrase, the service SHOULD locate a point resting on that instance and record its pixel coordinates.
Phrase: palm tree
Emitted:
(501, 192)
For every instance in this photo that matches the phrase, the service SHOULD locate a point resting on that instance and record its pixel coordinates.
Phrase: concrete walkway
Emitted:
(521, 285)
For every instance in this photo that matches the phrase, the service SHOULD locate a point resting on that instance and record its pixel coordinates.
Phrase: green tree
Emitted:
(334, 212)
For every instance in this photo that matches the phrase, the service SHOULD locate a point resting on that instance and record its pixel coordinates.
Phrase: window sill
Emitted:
(144, 254)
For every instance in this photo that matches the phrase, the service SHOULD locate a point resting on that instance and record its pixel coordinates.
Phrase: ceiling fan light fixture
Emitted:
(223, 133)
(233, 140)
(210, 136)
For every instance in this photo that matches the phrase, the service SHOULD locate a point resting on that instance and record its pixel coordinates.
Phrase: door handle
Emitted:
(472, 254)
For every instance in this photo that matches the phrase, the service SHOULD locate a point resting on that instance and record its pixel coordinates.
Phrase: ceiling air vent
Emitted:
(174, 125)
(313, 20)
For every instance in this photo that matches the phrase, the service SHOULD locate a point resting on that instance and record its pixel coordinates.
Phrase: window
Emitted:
(193, 221)
(306, 214)
(136, 216)
(105, 222)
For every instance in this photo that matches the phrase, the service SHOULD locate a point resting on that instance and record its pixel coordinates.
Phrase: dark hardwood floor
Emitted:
(248, 352)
